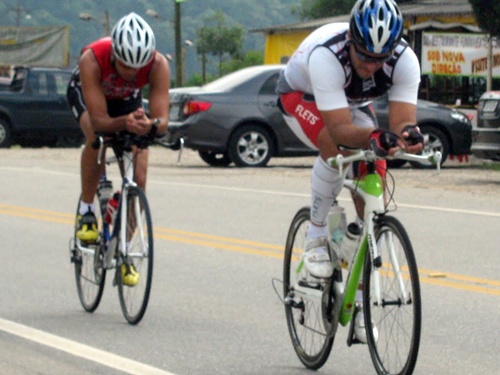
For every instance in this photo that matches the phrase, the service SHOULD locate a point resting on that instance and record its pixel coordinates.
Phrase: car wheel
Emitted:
(250, 146)
(437, 142)
(215, 159)
(5, 134)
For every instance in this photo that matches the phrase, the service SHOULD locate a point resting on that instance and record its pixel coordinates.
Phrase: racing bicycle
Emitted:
(384, 261)
(125, 242)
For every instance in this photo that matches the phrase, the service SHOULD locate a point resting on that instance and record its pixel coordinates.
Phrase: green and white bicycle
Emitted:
(384, 261)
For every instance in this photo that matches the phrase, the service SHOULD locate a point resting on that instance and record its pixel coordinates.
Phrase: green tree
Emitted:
(218, 39)
(251, 58)
(487, 14)
(314, 9)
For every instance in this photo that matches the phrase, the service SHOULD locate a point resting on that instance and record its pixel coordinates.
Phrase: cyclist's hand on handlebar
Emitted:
(138, 123)
(413, 138)
(384, 142)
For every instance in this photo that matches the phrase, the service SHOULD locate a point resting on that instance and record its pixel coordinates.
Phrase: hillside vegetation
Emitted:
(249, 14)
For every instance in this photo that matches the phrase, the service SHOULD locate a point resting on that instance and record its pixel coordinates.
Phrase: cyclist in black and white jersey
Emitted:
(325, 93)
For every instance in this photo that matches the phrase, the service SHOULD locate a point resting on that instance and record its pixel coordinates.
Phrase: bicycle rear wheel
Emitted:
(138, 257)
(89, 272)
(307, 306)
(398, 318)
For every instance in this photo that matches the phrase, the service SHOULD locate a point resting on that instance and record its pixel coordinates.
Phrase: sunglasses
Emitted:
(371, 59)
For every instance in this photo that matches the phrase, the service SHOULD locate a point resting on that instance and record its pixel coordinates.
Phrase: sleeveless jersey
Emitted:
(113, 86)
(322, 67)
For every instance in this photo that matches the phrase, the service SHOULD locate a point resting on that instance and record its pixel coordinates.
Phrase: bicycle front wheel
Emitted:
(393, 323)
(305, 303)
(89, 272)
(135, 270)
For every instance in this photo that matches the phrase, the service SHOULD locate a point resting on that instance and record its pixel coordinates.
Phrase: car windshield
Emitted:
(231, 80)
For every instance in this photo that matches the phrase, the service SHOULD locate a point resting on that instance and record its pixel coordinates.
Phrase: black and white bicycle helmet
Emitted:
(133, 41)
(376, 25)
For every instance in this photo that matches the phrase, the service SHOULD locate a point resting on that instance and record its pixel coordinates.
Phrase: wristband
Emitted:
(154, 127)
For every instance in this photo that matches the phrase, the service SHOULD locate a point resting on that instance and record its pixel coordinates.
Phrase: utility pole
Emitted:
(489, 73)
(178, 45)
(19, 9)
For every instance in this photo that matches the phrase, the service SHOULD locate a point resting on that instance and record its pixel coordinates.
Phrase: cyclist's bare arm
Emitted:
(339, 127)
(402, 114)
(159, 102)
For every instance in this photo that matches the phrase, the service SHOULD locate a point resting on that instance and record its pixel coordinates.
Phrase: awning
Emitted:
(443, 26)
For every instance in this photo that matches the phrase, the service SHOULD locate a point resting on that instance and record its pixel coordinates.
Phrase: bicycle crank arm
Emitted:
(308, 293)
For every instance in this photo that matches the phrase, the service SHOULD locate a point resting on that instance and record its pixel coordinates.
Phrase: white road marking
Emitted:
(76, 349)
(273, 192)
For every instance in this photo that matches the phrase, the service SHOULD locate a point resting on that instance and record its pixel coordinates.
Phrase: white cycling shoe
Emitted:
(360, 328)
(317, 259)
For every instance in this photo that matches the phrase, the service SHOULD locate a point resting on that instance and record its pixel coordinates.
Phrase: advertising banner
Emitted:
(42, 46)
(454, 54)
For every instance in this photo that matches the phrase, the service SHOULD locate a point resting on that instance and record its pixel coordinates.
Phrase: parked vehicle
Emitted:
(34, 109)
(4, 83)
(447, 129)
(486, 136)
(236, 119)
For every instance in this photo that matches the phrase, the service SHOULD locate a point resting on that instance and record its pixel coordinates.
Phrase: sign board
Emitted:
(455, 54)
(40, 45)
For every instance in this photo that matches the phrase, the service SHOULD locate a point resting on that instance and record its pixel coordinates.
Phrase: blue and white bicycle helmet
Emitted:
(376, 25)
(133, 41)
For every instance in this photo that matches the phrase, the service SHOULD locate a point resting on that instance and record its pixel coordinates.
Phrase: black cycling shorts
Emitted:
(116, 107)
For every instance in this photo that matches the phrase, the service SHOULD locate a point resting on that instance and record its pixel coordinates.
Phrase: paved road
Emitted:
(219, 235)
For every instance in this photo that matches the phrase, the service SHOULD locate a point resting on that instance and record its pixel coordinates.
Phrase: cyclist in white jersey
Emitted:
(326, 91)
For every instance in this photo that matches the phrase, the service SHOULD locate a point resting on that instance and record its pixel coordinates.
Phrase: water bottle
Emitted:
(336, 224)
(111, 208)
(350, 243)
(104, 191)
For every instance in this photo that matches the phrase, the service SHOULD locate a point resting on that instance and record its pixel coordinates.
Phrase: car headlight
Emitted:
(459, 116)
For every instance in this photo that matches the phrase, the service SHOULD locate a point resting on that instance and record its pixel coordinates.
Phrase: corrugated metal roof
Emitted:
(414, 9)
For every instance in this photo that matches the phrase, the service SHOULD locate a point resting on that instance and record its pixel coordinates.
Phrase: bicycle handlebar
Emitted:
(121, 141)
(430, 158)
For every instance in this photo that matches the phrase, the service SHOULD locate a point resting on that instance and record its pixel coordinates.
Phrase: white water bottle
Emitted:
(336, 224)
(350, 243)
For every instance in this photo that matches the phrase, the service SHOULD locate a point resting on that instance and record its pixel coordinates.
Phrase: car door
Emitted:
(45, 109)
(63, 120)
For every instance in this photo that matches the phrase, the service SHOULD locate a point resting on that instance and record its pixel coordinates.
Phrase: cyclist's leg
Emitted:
(141, 167)
(90, 170)
(326, 182)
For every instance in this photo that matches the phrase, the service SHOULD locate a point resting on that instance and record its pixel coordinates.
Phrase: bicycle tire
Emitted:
(398, 319)
(89, 272)
(306, 320)
(134, 299)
